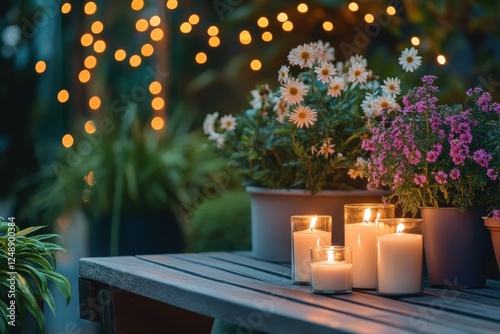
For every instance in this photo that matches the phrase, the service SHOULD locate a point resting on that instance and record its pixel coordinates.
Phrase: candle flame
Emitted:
(313, 222)
(330, 256)
(367, 215)
(400, 228)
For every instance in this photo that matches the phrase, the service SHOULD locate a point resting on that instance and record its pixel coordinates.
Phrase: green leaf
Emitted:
(61, 283)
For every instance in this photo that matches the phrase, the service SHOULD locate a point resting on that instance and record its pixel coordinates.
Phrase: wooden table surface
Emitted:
(182, 293)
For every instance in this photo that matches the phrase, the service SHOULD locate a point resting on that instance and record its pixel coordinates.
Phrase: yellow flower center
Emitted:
(305, 55)
(325, 71)
(357, 73)
(302, 115)
(384, 104)
(409, 59)
(294, 91)
(391, 87)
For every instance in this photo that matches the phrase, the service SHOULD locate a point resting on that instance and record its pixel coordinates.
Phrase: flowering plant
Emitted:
(436, 155)
(307, 133)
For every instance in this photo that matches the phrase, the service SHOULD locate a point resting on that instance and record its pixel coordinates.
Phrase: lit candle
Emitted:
(362, 238)
(400, 262)
(331, 276)
(302, 243)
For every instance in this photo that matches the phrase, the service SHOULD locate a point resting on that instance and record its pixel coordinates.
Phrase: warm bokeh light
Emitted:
(40, 66)
(99, 46)
(90, 8)
(97, 27)
(158, 103)
(147, 50)
(302, 8)
(415, 40)
(66, 8)
(267, 36)
(63, 96)
(172, 4)
(135, 61)
(86, 39)
(263, 22)
(441, 59)
(155, 21)
(214, 41)
(84, 76)
(157, 123)
(255, 65)
(212, 31)
(353, 6)
(328, 26)
(186, 27)
(67, 140)
(137, 4)
(141, 25)
(201, 58)
(391, 10)
(282, 17)
(369, 18)
(245, 37)
(156, 34)
(94, 102)
(89, 127)
(287, 26)
(90, 62)
(89, 178)
(155, 87)
(120, 55)
(194, 19)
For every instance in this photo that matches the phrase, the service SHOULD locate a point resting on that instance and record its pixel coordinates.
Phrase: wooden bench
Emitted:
(183, 293)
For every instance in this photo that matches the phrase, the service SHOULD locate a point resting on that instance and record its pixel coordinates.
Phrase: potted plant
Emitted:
(136, 185)
(492, 222)
(442, 160)
(28, 271)
(302, 140)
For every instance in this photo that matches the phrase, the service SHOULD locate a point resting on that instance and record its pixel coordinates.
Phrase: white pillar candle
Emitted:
(331, 276)
(302, 243)
(362, 238)
(400, 263)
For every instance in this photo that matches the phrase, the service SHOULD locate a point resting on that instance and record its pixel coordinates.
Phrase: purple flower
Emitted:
(454, 174)
(429, 79)
(482, 158)
(496, 214)
(484, 101)
(492, 174)
(441, 177)
(420, 180)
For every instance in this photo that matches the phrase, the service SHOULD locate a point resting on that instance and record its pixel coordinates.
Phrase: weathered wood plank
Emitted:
(404, 316)
(235, 304)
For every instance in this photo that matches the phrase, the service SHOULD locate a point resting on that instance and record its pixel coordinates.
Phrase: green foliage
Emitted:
(33, 270)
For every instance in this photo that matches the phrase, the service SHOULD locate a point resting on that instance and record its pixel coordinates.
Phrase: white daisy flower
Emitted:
(409, 60)
(325, 72)
(324, 52)
(228, 123)
(209, 123)
(283, 74)
(336, 86)
(302, 55)
(384, 102)
(294, 91)
(282, 110)
(357, 73)
(367, 104)
(303, 115)
(218, 138)
(358, 59)
(326, 149)
(391, 86)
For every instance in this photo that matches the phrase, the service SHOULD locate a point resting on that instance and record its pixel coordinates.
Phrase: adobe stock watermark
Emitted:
(223, 7)
(76, 154)
(29, 26)
(362, 38)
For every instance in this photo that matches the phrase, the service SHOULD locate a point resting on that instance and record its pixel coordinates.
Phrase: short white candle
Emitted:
(400, 263)
(331, 276)
(362, 238)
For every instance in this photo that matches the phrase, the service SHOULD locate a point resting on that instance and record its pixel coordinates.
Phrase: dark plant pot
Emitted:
(140, 233)
(456, 247)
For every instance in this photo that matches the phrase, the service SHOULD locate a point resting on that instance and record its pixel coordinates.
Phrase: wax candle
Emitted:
(331, 276)
(400, 263)
(302, 243)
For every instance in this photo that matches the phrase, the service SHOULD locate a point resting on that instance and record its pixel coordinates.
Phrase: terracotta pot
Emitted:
(494, 226)
(271, 210)
(456, 247)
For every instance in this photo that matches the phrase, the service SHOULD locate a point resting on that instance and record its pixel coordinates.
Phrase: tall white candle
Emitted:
(362, 238)
(331, 276)
(302, 243)
(400, 263)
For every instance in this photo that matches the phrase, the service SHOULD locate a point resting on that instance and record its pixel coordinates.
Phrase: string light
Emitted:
(66, 8)
(263, 22)
(353, 7)
(94, 102)
(415, 41)
(157, 123)
(67, 140)
(86, 39)
(287, 26)
(141, 25)
(84, 76)
(369, 18)
(156, 34)
(267, 36)
(97, 27)
(89, 127)
(155, 87)
(328, 26)
(120, 55)
(63, 96)
(135, 61)
(391, 10)
(155, 21)
(255, 65)
(99, 46)
(214, 41)
(194, 19)
(441, 59)
(158, 103)
(245, 37)
(201, 58)
(147, 50)
(212, 31)
(302, 8)
(90, 8)
(186, 27)
(172, 4)
(137, 4)
(282, 17)
(40, 66)
(90, 62)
